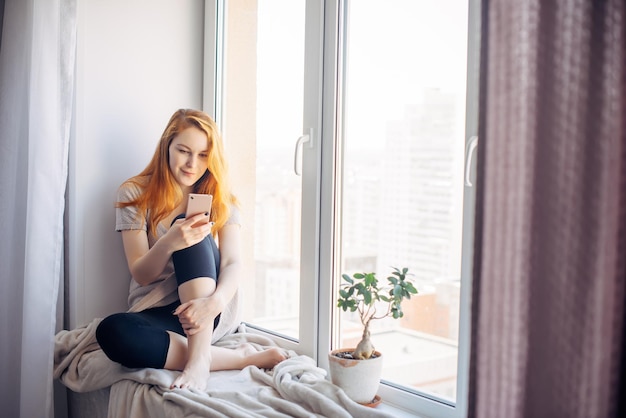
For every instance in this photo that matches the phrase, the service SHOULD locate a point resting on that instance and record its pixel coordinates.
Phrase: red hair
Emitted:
(161, 194)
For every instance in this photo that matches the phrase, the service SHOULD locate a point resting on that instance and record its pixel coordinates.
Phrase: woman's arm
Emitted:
(145, 263)
(198, 313)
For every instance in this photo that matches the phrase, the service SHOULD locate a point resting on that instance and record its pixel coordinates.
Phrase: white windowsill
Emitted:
(397, 412)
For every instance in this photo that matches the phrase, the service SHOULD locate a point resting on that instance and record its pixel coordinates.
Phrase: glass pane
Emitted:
(264, 51)
(402, 202)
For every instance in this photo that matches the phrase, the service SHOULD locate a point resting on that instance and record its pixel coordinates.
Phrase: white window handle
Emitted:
(471, 146)
(297, 159)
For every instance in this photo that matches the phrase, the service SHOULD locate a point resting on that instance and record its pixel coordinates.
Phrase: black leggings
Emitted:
(140, 339)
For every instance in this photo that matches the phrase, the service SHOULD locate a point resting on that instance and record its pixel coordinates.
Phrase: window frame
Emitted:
(215, 29)
(321, 164)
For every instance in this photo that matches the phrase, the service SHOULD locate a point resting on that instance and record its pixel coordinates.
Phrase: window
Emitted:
(262, 110)
(351, 118)
(403, 164)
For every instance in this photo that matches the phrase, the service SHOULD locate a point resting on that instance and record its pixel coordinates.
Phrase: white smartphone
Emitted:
(198, 203)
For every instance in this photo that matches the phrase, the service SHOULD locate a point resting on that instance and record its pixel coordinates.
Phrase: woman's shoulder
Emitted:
(126, 213)
(131, 188)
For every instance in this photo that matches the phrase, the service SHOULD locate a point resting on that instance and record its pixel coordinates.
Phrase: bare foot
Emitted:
(265, 359)
(194, 376)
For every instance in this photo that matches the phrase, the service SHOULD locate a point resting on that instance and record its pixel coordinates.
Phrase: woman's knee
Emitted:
(109, 329)
(200, 260)
(110, 334)
(125, 339)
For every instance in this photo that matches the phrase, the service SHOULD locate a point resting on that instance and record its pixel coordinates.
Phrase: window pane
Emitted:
(264, 50)
(402, 193)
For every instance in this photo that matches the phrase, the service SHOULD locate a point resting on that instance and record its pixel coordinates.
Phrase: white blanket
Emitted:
(296, 387)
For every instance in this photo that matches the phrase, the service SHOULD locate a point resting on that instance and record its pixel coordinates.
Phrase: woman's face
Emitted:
(188, 156)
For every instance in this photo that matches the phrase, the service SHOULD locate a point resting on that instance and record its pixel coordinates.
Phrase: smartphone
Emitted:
(198, 203)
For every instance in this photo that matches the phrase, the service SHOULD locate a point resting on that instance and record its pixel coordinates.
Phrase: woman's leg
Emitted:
(197, 269)
(139, 339)
(154, 338)
(223, 358)
(196, 371)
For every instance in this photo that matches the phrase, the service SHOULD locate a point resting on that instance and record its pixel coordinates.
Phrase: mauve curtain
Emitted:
(36, 98)
(549, 282)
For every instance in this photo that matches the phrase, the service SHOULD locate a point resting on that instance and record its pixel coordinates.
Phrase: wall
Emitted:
(137, 62)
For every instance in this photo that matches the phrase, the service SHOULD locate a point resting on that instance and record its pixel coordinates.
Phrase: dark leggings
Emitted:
(140, 339)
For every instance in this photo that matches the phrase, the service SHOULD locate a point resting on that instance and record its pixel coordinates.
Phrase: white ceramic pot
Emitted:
(358, 378)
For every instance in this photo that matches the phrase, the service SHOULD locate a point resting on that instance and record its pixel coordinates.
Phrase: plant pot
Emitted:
(359, 379)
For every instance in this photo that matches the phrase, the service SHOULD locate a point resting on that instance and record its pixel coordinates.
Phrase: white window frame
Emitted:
(321, 163)
(213, 81)
(213, 59)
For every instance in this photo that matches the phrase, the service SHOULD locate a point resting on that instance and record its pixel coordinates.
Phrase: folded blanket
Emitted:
(294, 388)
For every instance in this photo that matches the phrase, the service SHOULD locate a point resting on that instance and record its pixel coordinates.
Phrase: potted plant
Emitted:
(357, 370)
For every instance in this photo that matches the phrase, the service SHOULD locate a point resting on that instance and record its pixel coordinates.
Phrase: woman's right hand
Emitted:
(187, 232)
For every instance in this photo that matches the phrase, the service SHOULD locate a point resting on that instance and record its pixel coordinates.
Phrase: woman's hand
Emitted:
(197, 314)
(187, 232)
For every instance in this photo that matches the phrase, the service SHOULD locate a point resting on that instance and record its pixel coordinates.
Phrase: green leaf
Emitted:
(358, 276)
(397, 291)
(411, 288)
(360, 288)
(347, 278)
(367, 297)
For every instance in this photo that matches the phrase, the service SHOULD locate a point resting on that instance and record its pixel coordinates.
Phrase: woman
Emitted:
(159, 242)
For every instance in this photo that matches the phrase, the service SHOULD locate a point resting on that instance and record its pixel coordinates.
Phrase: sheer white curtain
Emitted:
(36, 94)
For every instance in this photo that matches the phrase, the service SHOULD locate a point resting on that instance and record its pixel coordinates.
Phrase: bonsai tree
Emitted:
(363, 293)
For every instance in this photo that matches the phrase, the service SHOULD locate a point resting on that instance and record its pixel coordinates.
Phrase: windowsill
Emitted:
(397, 412)
(282, 341)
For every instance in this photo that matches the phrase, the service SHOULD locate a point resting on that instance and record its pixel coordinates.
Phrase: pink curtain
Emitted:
(548, 307)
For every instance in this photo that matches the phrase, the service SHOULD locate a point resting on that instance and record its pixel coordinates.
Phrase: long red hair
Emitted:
(161, 194)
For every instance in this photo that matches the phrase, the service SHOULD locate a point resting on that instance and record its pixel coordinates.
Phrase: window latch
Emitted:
(297, 159)
(471, 147)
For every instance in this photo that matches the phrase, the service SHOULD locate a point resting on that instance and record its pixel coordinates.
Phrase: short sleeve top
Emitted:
(128, 218)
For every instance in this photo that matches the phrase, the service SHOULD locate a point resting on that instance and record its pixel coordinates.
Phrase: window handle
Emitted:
(297, 158)
(471, 147)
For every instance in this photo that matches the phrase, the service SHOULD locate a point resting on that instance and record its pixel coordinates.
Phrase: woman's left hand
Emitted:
(197, 314)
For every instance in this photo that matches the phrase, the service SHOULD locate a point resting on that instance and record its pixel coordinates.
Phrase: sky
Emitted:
(393, 53)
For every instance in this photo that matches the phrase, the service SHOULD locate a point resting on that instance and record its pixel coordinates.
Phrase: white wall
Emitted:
(137, 62)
